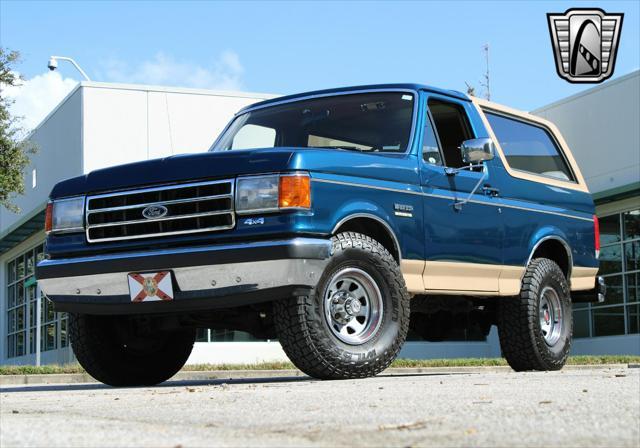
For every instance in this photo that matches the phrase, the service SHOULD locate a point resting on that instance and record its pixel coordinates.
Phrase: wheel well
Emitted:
(554, 250)
(374, 229)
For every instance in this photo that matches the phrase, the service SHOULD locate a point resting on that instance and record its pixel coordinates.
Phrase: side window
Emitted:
(529, 147)
(430, 148)
(452, 127)
(254, 136)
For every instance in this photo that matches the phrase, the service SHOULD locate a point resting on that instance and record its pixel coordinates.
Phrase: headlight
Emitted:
(65, 215)
(260, 194)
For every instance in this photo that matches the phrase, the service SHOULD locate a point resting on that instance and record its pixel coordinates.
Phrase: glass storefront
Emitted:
(21, 316)
(618, 315)
(210, 335)
(620, 266)
(22, 309)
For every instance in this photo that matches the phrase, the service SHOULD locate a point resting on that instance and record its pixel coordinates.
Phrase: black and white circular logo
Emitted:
(155, 212)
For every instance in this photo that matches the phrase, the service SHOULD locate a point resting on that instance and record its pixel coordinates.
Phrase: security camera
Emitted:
(53, 64)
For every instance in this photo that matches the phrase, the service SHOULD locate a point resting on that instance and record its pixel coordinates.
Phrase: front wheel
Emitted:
(536, 327)
(356, 321)
(123, 351)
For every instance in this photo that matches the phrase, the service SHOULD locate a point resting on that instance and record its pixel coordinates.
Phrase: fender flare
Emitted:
(384, 223)
(561, 241)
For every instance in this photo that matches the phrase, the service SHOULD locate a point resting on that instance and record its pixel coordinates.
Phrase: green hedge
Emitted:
(460, 362)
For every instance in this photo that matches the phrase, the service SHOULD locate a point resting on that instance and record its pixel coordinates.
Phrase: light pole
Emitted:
(53, 64)
(38, 323)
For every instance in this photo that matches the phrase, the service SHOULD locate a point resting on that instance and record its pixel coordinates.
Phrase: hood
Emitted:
(229, 164)
(175, 169)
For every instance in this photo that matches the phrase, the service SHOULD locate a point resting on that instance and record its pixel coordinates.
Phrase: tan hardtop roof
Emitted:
(579, 184)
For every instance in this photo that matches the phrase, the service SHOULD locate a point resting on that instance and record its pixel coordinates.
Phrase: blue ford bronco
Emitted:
(336, 221)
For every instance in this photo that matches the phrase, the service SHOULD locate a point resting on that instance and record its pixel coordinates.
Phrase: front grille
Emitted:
(190, 208)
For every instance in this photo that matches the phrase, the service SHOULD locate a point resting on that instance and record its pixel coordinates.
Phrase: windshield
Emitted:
(376, 121)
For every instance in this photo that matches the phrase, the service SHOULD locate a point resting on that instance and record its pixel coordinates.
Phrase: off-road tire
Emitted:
(304, 332)
(521, 338)
(111, 355)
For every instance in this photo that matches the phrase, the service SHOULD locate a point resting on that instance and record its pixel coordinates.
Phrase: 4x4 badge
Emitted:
(585, 42)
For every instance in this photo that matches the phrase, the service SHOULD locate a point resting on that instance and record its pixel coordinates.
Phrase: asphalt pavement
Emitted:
(570, 408)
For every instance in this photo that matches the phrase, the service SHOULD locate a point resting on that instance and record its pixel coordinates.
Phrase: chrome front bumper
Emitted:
(203, 277)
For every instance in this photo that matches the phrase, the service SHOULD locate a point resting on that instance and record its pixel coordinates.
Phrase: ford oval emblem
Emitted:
(155, 212)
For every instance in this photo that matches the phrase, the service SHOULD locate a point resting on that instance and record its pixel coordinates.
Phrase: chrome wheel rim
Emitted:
(353, 306)
(550, 312)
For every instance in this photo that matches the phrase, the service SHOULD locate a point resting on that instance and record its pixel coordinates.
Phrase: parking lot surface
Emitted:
(571, 408)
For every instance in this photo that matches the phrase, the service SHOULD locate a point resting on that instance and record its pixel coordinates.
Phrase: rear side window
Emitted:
(530, 148)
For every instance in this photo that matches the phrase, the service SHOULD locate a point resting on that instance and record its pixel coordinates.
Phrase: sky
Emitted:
(290, 47)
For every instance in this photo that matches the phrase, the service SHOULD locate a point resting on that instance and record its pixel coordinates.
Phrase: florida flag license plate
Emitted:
(150, 286)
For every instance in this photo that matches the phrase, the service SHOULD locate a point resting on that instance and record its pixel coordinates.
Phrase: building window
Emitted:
(202, 335)
(620, 266)
(48, 327)
(22, 309)
(212, 335)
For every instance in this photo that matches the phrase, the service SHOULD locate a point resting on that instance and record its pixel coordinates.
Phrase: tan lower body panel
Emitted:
(511, 280)
(446, 277)
(412, 271)
(583, 278)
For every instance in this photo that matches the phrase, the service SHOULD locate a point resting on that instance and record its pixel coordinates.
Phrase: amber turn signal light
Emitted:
(48, 218)
(295, 191)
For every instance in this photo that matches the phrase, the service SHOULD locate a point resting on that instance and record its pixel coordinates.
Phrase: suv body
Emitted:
(304, 202)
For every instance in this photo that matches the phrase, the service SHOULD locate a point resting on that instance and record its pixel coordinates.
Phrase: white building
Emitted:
(95, 126)
(601, 127)
(100, 124)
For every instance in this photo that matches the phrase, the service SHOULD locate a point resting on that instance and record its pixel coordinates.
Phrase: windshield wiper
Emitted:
(346, 148)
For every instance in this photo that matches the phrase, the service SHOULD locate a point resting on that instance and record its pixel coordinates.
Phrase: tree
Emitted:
(14, 150)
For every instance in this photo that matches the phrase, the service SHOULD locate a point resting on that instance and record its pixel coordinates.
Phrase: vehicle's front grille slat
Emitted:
(145, 221)
(175, 201)
(184, 208)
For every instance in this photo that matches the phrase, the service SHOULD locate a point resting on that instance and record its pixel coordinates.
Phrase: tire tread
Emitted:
(522, 346)
(304, 338)
(91, 339)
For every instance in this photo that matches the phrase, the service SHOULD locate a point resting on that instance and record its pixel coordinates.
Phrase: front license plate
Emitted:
(150, 286)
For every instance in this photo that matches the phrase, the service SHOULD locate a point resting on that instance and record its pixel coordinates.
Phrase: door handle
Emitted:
(490, 191)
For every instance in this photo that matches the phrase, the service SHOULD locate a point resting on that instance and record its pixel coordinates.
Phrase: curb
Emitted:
(78, 378)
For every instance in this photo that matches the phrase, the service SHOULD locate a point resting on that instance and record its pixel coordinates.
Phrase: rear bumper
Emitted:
(206, 277)
(597, 294)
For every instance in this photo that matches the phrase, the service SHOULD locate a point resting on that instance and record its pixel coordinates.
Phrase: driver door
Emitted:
(463, 243)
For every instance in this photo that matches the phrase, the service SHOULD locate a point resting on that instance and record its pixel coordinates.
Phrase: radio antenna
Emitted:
(486, 84)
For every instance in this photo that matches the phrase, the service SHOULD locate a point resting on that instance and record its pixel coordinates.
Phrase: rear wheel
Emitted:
(123, 351)
(357, 319)
(536, 328)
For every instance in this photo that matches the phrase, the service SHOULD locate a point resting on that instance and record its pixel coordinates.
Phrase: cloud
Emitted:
(36, 97)
(224, 74)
